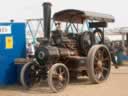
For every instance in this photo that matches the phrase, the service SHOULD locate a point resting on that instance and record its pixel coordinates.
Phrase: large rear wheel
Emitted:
(99, 63)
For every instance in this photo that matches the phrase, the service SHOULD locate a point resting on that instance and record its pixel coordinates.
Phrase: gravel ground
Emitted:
(116, 85)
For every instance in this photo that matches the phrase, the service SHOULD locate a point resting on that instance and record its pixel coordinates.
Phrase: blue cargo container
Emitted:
(12, 45)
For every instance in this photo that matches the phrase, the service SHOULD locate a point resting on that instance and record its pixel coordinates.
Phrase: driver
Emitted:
(58, 26)
(57, 34)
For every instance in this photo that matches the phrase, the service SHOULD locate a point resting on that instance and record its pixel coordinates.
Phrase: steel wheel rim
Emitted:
(59, 78)
(102, 64)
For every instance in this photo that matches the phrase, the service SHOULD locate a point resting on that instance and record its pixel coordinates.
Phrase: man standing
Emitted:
(30, 51)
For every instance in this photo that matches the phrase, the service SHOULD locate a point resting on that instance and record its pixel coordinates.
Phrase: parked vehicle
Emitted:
(68, 51)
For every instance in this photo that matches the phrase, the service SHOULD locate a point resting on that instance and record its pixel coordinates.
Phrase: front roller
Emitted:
(58, 77)
(99, 63)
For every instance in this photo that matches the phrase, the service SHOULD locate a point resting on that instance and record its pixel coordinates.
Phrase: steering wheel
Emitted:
(99, 36)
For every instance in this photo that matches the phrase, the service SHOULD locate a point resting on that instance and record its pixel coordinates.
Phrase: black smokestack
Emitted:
(47, 19)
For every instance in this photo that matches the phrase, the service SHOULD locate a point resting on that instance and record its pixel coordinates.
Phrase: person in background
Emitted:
(112, 53)
(30, 51)
(36, 45)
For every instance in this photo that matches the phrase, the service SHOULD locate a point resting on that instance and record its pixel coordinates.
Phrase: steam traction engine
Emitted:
(68, 52)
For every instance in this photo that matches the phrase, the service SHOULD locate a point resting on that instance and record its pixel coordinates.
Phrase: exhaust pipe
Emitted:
(47, 19)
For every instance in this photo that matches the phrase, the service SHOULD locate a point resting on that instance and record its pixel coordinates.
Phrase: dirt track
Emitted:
(116, 85)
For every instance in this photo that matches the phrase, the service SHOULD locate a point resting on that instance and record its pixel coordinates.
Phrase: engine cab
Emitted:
(73, 33)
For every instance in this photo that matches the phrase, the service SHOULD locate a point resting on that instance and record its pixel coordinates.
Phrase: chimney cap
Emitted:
(48, 3)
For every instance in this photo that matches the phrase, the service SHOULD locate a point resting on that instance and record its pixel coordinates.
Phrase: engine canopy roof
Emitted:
(78, 16)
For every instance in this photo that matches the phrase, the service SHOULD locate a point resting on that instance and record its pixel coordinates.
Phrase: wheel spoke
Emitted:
(102, 76)
(106, 59)
(105, 69)
(98, 75)
(55, 75)
(62, 73)
(102, 56)
(103, 51)
(60, 84)
(98, 55)
(96, 58)
(60, 69)
(55, 72)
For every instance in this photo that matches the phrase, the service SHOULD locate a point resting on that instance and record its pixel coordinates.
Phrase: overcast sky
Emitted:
(20, 10)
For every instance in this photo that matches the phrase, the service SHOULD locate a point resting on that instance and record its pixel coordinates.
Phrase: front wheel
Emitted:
(58, 77)
(99, 63)
(29, 75)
